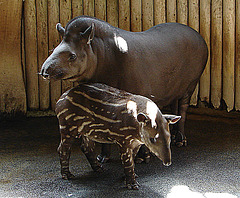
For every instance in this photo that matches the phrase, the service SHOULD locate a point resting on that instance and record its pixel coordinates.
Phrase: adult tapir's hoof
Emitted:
(179, 139)
(98, 168)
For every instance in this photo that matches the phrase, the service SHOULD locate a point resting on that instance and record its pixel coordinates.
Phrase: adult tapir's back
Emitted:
(165, 61)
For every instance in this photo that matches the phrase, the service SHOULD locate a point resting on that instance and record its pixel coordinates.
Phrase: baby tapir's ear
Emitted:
(172, 119)
(141, 117)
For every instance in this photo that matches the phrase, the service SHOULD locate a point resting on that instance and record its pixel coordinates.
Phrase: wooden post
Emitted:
(159, 11)
(31, 54)
(193, 21)
(205, 32)
(216, 53)
(88, 7)
(54, 40)
(112, 12)
(101, 9)
(42, 43)
(147, 14)
(237, 91)
(171, 11)
(77, 8)
(124, 14)
(182, 11)
(12, 90)
(136, 16)
(228, 52)
(65, 16)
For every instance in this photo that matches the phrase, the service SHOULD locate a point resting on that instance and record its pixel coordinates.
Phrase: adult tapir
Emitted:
(163, 63)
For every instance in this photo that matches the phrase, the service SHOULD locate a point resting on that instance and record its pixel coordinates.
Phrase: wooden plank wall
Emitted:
(218, 21)
(12, 88)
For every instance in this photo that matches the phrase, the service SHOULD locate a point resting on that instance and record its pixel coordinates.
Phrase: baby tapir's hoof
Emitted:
(132, 185)
(68, 176)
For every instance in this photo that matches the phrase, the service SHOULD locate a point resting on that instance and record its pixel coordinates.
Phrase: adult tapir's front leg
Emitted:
(128, 163)
(88, 148)
(64, 151)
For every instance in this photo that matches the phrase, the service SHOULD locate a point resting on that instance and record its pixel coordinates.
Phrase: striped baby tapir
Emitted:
(100, 113)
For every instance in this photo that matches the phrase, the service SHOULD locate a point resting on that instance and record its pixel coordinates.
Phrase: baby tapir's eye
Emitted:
(153, 140)
(72, 57)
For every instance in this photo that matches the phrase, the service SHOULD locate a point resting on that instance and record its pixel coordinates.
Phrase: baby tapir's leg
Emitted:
(128, 163)
(143, 155)
(88, 148)
(64, 151)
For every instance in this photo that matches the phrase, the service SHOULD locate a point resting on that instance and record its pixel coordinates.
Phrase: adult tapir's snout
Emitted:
(45, 69)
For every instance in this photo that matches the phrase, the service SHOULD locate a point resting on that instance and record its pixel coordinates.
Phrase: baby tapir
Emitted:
(100, 113)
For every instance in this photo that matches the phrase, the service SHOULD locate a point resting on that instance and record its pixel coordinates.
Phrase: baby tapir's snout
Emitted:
(99, 113)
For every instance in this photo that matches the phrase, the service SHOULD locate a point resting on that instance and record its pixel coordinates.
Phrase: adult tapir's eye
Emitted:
(72, 57)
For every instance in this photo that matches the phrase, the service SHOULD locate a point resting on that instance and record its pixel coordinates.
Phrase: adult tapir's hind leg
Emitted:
(180, 137)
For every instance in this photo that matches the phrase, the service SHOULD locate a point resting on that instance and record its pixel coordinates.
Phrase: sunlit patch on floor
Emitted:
(182, 191)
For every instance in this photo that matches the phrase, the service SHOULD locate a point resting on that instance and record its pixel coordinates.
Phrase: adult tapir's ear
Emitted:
(60, 29)
(172, 119)
(141, 117)
(89, 33)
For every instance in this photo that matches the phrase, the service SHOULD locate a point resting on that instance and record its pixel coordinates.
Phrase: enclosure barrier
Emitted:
(28, 36)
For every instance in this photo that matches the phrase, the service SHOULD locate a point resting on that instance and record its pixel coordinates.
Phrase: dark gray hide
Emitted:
(163, 63)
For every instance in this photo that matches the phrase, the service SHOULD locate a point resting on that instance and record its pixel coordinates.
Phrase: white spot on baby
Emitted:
(132, 108)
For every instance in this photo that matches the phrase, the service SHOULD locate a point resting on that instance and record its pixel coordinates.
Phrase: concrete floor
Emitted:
(209, 167)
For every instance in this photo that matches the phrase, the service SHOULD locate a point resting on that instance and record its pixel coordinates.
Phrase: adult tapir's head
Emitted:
(73, 58)
(155, 133)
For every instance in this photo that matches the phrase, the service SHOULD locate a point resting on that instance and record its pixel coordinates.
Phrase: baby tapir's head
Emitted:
(154, 129)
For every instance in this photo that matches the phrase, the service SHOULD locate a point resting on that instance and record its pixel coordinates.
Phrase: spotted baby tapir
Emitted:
(99, 113)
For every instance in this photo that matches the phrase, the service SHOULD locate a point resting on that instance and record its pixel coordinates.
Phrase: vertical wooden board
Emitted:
(54, 40)
(112, 12)
(136, 15)
(171, 11)
(124, 14)
(159, 11)
(237, 91)
(193, 21)
(42, 43)
(31, 54)
(205, 32)
(193, 16)
(228, 52)
(65, 16)
(12, 90)
(88, 7)
(182, 11)
(216, 53)
(23, 50)
(147, 14)
(77, 8)
(101, 9)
